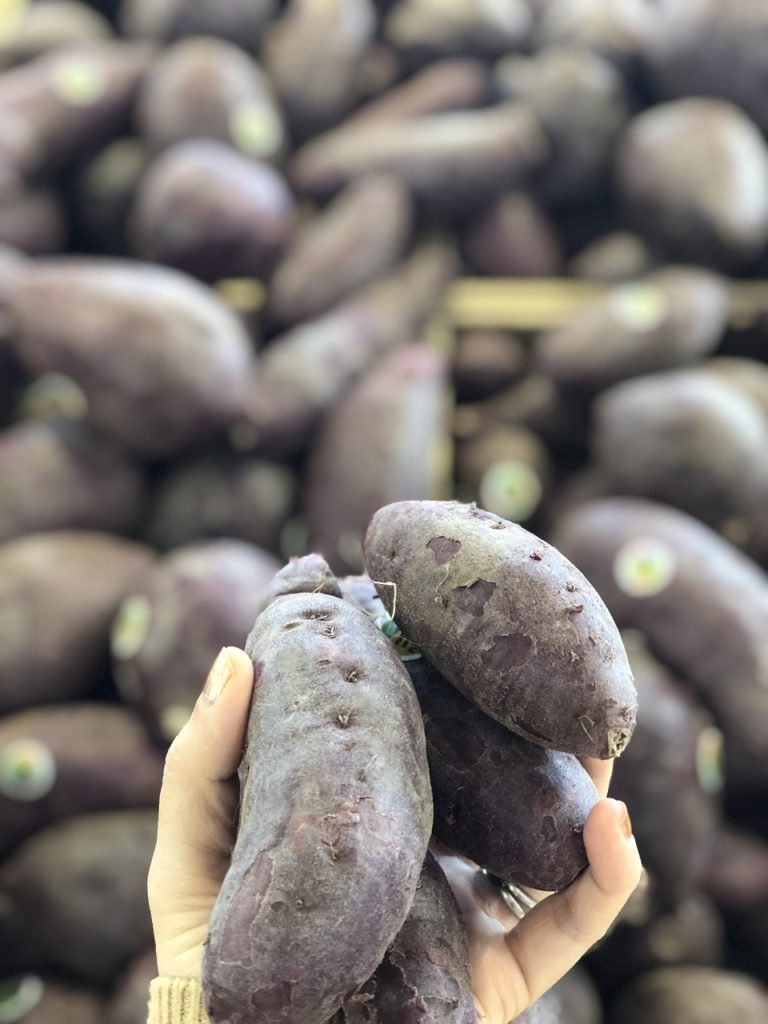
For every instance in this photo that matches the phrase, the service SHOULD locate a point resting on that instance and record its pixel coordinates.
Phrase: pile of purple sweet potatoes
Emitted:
(229, 239)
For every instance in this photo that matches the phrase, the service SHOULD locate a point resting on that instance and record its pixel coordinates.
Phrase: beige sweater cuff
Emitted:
(176, 1001)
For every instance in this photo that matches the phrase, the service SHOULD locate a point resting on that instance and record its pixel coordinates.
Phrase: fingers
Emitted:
(198, 800)
(600, 772)
(553, 936)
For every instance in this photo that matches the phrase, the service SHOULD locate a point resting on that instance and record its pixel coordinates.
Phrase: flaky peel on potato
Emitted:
(508, 620)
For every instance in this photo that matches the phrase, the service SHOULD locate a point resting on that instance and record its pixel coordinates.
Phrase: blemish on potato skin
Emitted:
(549, 828)
(536, 556)
(473, 598)
(512, 650)
(444, 549)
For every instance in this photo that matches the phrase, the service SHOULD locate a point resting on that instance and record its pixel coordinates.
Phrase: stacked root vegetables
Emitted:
(224, 232)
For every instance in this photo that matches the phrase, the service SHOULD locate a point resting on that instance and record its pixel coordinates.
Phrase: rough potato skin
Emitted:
(705, 617)
(425, 977)
(332, 835)
(511, 806)
(509, 621)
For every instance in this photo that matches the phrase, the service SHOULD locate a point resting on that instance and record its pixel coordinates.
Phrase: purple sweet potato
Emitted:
(181, 612)
(718, 215)
(684, 438)
(63, 760)
(506, 470)
(222, 494)
(513, 238)
(29, 999)
(314, 54)
(359, 236)
(579, 999)
(737, 880)
(71, 100)
(673, 318)
(705, 48)
(32, 220)
(60, 474)
(212, 212)
(332, 835)
(701, 604)
(386, 440)
(424, 976)
(425, 29)
(58, 595)
(450, 161)
(508, 620)
(689, 933)
(129, 998)
(581, 102)
(452, 84)
(486, 362)
(515, 808)
(162, 362)
(340, 346)
(547, 1009)
(73, 898)
(38, 28)
(669, 778)
(696, 995)
(207, 88)
(618, 30)
(615, 257)
(238, 21)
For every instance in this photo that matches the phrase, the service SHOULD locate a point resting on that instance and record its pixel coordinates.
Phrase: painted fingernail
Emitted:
(625, 822)
(219, 676)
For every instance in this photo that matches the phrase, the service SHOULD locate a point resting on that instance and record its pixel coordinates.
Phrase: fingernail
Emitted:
(219, 676)
(625, 822)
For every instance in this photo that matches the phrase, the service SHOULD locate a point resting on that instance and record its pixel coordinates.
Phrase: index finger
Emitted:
(600, 772)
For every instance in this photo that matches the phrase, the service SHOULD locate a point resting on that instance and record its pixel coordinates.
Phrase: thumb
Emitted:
(198, 799)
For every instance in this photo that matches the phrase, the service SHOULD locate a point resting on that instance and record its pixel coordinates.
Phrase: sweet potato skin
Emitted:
(511, 806)
(55, 889)
(51, 647)
(696, 995)
(425, 977)
(101, 756)
(333, 835)
(508, 620)
(701, 604)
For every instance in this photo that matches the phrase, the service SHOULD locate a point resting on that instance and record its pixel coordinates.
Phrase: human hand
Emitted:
(197, 820)
(512, 963)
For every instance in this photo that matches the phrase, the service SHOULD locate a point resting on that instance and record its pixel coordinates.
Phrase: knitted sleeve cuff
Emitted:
(176, 1001)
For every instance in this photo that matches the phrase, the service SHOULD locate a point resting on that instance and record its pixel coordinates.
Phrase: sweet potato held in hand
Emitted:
(335, 817)
(508, 620)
